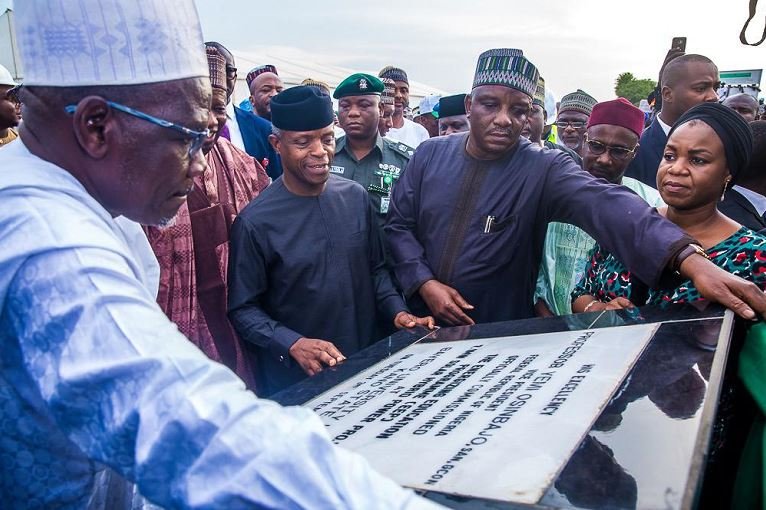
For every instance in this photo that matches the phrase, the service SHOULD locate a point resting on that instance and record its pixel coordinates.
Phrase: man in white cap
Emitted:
(116, 107)
(427, 116)
(10, 109)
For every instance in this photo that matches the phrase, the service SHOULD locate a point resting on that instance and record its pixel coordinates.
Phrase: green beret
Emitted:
(359, 84)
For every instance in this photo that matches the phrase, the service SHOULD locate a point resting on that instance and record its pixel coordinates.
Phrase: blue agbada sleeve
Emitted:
(618, 219)
(412, 269)
(108, 371)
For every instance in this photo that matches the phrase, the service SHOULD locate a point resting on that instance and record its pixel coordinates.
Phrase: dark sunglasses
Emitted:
(598, 148)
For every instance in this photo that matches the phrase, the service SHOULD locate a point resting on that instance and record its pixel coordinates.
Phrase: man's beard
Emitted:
(166, 223)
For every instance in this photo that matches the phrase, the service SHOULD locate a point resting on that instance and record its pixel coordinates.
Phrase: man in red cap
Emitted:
(609, 145)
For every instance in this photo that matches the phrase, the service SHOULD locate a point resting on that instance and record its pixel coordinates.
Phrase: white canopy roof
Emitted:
(294, 67)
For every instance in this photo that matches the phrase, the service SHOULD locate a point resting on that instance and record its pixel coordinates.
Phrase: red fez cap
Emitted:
(618, 112)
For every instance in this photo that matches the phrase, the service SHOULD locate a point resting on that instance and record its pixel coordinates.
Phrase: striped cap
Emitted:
(216, 63)
(507, 67)
(259, 70)
(539, 97)
(579, 101)
(395, 73)
(389, 91)
(324, 87)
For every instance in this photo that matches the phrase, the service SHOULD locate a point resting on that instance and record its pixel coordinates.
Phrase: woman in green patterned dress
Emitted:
(706, 149)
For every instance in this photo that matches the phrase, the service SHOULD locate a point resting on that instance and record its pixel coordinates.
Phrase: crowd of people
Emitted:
(156, 233)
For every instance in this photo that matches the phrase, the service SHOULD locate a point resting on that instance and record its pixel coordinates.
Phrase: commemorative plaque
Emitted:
(492, 418)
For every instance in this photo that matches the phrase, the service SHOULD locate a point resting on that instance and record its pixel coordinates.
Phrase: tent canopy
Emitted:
(293, 69)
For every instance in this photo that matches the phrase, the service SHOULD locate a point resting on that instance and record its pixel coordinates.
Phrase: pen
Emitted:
(488, 224)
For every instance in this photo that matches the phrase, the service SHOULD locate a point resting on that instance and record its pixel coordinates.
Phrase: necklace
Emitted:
(9, 138)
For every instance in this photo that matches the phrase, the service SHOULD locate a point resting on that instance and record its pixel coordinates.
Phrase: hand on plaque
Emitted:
(446, 303)
(404, 320)
(618, 304)
(312, 354)
(588, 303)
(720, 286)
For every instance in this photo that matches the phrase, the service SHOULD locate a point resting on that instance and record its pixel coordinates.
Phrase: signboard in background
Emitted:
(493, 418)
(738, 82)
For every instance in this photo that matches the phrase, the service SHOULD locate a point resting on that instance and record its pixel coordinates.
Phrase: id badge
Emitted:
(384, 202)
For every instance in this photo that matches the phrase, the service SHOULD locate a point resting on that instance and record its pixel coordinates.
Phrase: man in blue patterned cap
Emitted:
(306, 305)
(362, 154)
(468, 218)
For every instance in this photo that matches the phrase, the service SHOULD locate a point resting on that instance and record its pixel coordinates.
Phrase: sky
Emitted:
(575, 44)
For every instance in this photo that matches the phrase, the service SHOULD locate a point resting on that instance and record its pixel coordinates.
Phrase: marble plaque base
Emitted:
(492, 418)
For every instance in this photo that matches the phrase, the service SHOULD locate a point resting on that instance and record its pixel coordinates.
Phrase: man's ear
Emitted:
(467, 105)
(94, 126)
(667, 94)
(275, 142)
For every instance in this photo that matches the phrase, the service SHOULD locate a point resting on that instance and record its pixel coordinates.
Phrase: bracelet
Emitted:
(587, 307)
(685, 253)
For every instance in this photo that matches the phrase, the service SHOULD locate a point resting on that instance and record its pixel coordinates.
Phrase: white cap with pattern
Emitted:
(108, 42)
(427, 103)
(5, 77)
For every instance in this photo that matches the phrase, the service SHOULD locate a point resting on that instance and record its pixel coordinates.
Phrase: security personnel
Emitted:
(362, 154)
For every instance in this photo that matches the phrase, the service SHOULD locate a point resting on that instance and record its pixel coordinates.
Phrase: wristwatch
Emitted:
(689, 250)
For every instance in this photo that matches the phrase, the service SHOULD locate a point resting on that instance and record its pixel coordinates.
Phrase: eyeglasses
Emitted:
(197, 137)
(598, 148)
(231, 72)
(563, 124)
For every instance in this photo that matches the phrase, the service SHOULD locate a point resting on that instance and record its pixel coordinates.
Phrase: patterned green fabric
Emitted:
(566, 253)
(742, 254)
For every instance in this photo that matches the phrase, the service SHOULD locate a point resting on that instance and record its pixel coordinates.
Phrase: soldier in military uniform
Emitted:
(362, 154)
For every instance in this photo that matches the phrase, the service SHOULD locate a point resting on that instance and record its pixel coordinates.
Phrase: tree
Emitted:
(633, 90)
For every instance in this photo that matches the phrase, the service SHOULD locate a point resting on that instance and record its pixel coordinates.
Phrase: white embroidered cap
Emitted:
(108, 42)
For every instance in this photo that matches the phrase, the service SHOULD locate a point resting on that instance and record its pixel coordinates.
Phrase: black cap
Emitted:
(452, 105)
(301, 108)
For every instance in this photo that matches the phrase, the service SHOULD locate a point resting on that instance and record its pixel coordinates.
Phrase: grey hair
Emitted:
(276, 131)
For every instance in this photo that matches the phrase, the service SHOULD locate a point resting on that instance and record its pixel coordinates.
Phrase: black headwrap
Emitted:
(731, 128)
(301, 108)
